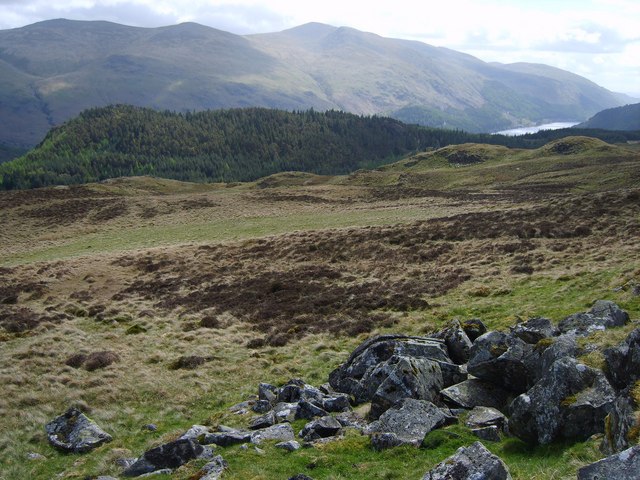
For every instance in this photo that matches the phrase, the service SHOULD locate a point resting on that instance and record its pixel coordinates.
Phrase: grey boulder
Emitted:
(569, 402)
(475, 392)
(214, 469)
(604, 314)
(74, 432)
(481, 417)
(282, 433)
(321, 428)
(409, 420)
(502, 360)
(470, 463)
(534, 330)
(623, 361)
(168, 456)
(622, 466)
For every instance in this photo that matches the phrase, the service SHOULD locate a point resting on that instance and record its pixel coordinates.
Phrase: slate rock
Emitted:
(623, 361)
(307, 410)
(267, 392)
(262, 406)
(285, 412)
(214, 469)
(604, 314)
(470, 463)
(569, 402)
(502, 360)
(168, 456)
(490, 434)
(349, 377)
(452, 373)
(481, 417)
(617, 425)
(474, 328)
(195, 432)
(403, 377)
(227, 437)
(282, 433)
(458, 343)
(321, 428)
(410, 420)
(263, 421)
(74, 432)
(290, 446)
(534, 330)
(621, 466)
(547, 351)
(336, 402)
(475, 392)
(385, 440)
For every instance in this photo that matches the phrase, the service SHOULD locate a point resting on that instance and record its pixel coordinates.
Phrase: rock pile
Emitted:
(528, 383)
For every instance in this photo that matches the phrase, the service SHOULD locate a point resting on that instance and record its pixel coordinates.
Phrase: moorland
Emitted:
(189, 295)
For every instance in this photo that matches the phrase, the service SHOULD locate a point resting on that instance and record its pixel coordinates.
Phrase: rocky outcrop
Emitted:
(470, 463)
(570, 401)
(475, 392)
(622, 466)
(534, 330)
(618, 425)
(74, 432)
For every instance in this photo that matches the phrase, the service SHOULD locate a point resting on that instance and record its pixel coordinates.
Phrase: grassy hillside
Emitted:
(282, 278)
(53, 70)
(620, 118)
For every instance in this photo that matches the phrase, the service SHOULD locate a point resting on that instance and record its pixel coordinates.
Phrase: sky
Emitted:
(598, 39)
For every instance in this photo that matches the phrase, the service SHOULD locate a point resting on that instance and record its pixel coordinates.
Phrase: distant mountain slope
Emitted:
(53, 70)
(621, 118)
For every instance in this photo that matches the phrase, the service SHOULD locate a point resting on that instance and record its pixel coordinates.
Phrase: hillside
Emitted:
(233, 145)
(53, 70)
(620, 118)
(155, 304)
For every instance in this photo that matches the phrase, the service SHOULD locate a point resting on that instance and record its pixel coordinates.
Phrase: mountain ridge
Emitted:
(52, 70)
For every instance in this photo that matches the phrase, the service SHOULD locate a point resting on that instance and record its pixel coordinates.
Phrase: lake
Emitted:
(537, 128)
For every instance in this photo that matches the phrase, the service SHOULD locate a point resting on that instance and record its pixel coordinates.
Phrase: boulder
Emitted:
(263, 421)
(458, 343)
(548, 350)
(336, 402)
(473, 327)
(300, 476)
(285, 412)
(502, 360)
(290, 446)
(617, 425)
(168, 456)
(474, 392)
(470, 463)
(385, 440)
(623, 361)
(227, 437)
(534, 330)
(410, 420)
(74, 432)
(604, 314)
(490, 434)
(262, 406)
(349, 377)
(481, 417)
(621, 466)
(282, 433)
(267, 392)
(569, 402)
(307, 410)
(321, 428)
(403, 377)
(195, 432)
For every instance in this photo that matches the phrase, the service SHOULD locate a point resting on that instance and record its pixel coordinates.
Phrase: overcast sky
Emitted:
(599, 39)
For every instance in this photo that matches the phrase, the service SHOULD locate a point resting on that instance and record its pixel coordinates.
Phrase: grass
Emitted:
(298, 269)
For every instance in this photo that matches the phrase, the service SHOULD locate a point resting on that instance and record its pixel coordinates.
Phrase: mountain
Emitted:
(51, 71)
(619, 118)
